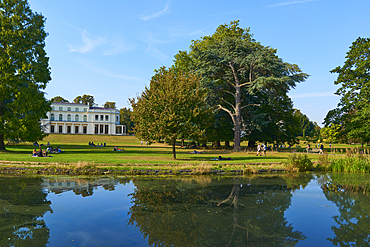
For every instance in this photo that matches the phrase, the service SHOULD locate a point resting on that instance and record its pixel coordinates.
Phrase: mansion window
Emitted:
(96, 117)
(76, 109)
(60, 108)
(106, 117)
(60, 117)
(69, 117)
(69, 109)
(101, 117)
(52, 129)
(85, 109)
(52, 117)
(85, 118)
(77, 118)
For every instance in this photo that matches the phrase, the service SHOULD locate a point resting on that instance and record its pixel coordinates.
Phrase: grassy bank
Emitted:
(79, 157)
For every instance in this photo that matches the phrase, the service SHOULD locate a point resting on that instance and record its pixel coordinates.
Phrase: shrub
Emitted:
(299, 162)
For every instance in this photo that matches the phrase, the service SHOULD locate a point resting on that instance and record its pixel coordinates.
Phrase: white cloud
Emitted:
(97, 69)
(90, 42)
(155, 15)
(290, 3)
(313, 95)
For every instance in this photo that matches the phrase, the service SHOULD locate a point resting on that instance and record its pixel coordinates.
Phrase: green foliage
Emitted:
(125, 118)
(307, 127)
(301, 162)
(111, 105)
(172, 108)
(85, 99)
(24, 72)
(351, 164)
(234, 67)
(353, 111)
(331, 133)
(58, 99)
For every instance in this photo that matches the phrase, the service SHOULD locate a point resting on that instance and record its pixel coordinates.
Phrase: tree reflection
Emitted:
(22, 206)
(350, 193)
(225, 212)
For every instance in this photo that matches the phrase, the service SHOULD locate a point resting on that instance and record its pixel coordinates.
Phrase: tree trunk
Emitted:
(2, 145)
(237, 124)
(182, 142)
(227, 143)
(174, 148)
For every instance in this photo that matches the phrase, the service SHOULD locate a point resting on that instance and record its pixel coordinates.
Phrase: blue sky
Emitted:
(109, 49)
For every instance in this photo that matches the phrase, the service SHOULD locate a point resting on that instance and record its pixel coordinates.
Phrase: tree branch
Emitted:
(249, 105)
(228, 111)
(228, 104)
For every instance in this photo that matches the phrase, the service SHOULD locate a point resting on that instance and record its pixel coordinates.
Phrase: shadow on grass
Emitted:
(245, 158)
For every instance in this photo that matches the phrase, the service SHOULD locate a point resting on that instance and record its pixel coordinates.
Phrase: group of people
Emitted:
(320, 146)
(46, 151)
(261, 149)
(97, 145)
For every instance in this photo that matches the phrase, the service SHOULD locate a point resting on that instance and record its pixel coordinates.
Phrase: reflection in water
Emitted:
(22, 206)
(226, 212)
(177, 211)
(351, 195)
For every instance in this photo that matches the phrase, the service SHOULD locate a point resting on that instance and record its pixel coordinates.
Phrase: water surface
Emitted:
(323, 209)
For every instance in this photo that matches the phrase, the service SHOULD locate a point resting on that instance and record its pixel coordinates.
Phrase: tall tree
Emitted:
(58, 99)
(125, 118)
(307, 127)
(172, 108)
(236, 66)
(109, 104)
(354, 81)
(24, 72)
(85, 99)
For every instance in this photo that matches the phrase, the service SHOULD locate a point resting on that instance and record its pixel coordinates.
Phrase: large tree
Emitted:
(24, 72)
(353, 110)
(172, 108)
(58, 99)
(85, 99)
(236, 67)
(125, 118)
(110, 104)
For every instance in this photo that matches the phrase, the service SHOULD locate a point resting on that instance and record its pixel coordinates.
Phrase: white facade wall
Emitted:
(72, 118)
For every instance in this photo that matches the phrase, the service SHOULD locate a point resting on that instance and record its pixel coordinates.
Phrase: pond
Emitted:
(309, 209)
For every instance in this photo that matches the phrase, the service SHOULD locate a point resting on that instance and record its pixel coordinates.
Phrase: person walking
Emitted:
(308, 148)
(259, 149)
(321, 149)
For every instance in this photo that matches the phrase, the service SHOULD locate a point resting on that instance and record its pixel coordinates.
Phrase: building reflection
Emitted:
(84, 187)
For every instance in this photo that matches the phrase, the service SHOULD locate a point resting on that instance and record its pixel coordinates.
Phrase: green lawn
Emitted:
(77, 150)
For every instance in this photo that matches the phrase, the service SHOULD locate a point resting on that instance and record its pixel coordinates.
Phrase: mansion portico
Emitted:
(72, 118)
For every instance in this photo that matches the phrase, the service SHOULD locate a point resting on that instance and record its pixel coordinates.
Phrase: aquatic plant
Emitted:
(358, 163)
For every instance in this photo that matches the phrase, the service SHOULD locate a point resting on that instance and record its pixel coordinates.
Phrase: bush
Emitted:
(300, 162)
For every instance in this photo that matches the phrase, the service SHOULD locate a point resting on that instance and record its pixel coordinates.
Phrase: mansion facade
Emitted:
(72, 118)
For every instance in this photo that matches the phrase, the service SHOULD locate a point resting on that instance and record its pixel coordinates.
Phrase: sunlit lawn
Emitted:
(76, 149)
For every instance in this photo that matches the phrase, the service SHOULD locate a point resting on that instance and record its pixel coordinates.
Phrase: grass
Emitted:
(158, 156)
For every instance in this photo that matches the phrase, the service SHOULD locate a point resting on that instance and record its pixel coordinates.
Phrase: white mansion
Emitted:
(72, 118)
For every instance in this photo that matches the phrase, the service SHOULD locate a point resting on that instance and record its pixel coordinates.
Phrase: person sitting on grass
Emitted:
(118, 149)
(220, 158)
(45, 153)
(195, 152)
(39, 153)
(34, 153)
